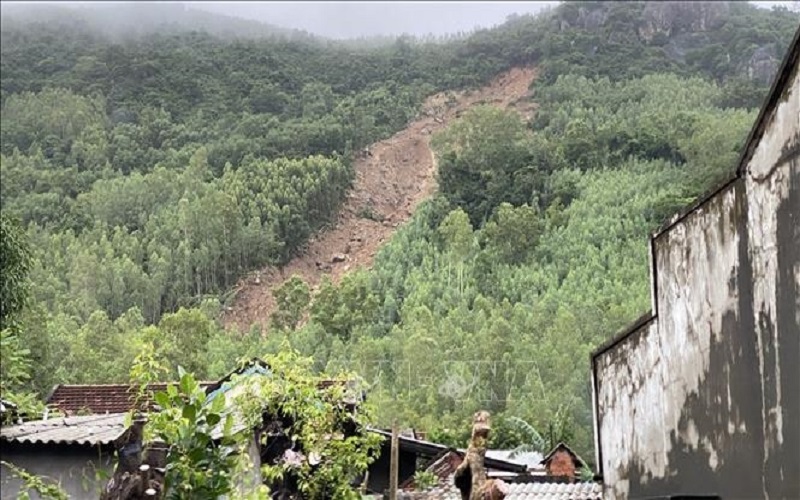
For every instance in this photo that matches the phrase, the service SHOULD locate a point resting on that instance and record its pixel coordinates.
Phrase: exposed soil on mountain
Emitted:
(392, 177)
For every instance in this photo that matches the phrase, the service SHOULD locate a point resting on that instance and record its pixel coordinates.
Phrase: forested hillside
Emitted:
(150, 173)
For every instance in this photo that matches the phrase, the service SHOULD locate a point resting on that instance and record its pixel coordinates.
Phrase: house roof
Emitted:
(538, 490)
(531, 459)
(260, 367)
(419, 446)
(436, 451)
(444, 465)
(520, 485)
(89, 430)
(562, 446)
(107, 405)
(254, 365)
(99, 398)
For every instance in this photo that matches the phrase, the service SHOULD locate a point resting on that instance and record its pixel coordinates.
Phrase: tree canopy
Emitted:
(148, 174)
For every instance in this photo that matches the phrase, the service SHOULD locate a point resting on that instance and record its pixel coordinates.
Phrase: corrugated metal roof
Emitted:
(422, 447)
(531, 459)
(86, 430)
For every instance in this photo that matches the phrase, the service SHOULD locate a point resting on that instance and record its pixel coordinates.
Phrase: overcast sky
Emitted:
(354, 19)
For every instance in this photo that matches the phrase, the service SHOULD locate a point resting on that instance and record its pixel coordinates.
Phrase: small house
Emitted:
(563, 462)
(415, 454)
(77, 449)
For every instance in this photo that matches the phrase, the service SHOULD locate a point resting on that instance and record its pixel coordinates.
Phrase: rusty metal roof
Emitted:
(85, 430)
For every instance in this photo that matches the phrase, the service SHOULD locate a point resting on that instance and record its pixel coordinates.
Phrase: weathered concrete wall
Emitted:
(703, 397)
(75, 467)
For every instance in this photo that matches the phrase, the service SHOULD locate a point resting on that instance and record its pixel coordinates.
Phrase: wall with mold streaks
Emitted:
(702, 397)
(79, 470)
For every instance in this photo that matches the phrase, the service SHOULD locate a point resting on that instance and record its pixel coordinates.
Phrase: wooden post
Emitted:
(394, 465)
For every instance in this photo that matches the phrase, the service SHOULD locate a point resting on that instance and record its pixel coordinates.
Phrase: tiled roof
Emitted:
(516, 491)
(117, 398)
(98, 399)
(555, 491)
(87, 430)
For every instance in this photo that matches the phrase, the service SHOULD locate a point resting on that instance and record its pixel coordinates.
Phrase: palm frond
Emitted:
(534, 440)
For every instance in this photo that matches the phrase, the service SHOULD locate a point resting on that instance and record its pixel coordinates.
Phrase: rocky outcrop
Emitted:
(656, 18)
(671, 18)
(582, 17)
(762, 65)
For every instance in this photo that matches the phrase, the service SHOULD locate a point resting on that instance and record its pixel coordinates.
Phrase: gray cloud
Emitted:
(356, 19)
(363, 19)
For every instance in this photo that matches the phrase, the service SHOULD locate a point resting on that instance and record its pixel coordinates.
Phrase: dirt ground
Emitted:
(391, 180)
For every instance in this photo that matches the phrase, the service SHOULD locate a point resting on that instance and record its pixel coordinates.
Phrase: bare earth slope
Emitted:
(390, 182)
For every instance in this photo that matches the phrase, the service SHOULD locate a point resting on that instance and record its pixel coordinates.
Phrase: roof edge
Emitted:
(20, 443)
(563, 446)
(623, 334)
(773, 97)
(243, 366)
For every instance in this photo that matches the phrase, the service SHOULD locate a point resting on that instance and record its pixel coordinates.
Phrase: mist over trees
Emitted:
(131, 20)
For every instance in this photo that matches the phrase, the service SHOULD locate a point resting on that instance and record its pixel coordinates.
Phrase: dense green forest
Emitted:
(147, 174)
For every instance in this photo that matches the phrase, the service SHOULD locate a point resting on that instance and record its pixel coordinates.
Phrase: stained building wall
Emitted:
(81, 471)
(702, 396)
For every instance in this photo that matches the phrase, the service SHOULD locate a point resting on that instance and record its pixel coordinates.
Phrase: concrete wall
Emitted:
(702, 397)
(74, 467)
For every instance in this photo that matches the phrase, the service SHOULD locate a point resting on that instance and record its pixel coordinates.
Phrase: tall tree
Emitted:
(15, 264)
